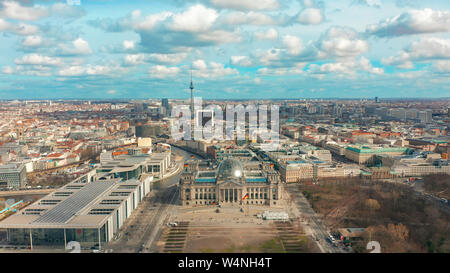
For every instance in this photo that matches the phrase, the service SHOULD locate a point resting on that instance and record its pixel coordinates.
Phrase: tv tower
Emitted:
(192, 97)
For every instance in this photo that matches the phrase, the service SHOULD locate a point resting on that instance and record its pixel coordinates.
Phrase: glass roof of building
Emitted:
(65, 210)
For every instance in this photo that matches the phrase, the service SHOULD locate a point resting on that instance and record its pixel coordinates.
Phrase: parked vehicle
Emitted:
(332, 238)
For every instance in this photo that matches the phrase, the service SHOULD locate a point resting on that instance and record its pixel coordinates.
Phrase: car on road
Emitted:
(331, 239)
(141, 248)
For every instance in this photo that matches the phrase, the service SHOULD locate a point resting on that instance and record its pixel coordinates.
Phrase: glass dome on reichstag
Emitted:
(230, 168)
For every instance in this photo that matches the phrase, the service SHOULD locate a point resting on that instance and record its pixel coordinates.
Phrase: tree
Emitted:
(430, 246)
(372, 204)
(399, 231)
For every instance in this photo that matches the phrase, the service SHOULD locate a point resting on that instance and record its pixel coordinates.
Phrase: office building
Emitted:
(13, 175)
(232, 183)
(90, 213)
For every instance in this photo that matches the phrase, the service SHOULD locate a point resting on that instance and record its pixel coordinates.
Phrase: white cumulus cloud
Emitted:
(343, 42)
(134, 59)
(78, 47)
(162, 72)
(14, 10)
(36, 59)
(128, 44)
(196, 19)
(310, 16)
(293, 44)
(32, 41)
(241, 60)
(249, 18)
(246, 5)
(412, 22)
(213, 70)
(270, 34)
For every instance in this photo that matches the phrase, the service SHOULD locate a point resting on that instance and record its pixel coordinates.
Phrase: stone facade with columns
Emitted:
(229, 184)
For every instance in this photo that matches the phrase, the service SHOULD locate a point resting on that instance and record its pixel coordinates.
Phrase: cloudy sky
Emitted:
(235, 48)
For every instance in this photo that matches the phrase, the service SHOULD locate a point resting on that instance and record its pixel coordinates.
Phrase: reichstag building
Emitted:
(232, 183)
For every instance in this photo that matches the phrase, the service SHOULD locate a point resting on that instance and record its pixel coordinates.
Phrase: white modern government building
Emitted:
(91, 209)
(90, 213)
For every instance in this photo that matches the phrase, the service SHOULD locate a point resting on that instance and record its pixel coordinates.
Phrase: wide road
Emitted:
(144, 225)
(317, 227)
(26, 192)
(417, 186)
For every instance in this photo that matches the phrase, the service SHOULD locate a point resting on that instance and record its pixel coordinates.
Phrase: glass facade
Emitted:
(45, 236)
(55, 236)
(130, 174)
(19, 236)
(86, 237)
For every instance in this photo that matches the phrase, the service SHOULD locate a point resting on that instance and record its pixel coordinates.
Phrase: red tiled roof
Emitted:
(55, 155)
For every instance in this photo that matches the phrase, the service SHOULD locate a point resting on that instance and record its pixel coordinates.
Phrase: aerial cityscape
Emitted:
(213, 126)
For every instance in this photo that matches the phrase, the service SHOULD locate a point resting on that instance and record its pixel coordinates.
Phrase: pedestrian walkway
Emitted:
(290, 237)
(176, 238)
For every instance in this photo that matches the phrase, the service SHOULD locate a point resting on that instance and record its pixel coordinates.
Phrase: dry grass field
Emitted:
(233, 231)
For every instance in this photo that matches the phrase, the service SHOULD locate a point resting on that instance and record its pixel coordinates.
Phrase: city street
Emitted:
(141, 229)
(417, 186)
(311, 222)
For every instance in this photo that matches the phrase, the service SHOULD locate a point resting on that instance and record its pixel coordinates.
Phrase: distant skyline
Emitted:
(237, 49)
(382, 100)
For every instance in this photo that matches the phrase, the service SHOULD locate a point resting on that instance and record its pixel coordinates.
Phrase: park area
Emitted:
(394, 214)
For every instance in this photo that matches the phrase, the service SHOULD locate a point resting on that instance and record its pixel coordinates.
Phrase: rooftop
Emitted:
(76, 205)
(11, 168)
(67, 209)
(370, 150)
